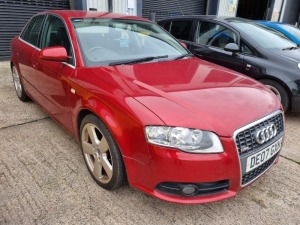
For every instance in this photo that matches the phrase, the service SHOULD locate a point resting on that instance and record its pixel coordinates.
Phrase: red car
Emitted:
(144, 109)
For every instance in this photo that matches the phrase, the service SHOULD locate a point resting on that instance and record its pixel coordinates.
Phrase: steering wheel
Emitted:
(93, 49)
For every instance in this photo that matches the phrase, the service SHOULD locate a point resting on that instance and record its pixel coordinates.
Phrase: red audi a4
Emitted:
(144, 109)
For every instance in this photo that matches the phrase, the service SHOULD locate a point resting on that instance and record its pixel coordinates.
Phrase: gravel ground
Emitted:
(43, 180)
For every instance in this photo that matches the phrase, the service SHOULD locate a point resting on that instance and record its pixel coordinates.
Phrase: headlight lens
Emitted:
(185, 139)
(299, 65)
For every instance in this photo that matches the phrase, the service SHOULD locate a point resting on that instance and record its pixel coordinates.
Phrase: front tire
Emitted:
(19, 85)
(279, 91)
(101, 153)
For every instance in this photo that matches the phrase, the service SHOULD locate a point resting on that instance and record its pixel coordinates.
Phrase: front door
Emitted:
(209, 42)
(54, 80)
(25, 49)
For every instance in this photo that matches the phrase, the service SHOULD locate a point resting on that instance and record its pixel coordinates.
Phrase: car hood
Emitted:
(194, 93)
(290, 55)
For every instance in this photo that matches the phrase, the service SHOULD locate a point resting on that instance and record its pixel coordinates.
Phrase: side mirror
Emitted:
(183, 44)
(56, 53)
(232, 47)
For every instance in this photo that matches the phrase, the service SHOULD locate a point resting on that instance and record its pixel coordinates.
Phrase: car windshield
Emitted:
(291, 29)
(106, 42)
(263, 37)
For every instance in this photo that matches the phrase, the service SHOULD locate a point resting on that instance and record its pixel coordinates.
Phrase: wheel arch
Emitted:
(285, 87)
(282, 83)
(124, 130)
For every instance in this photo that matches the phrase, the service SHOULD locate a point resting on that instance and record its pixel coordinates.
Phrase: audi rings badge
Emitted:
(266, 134)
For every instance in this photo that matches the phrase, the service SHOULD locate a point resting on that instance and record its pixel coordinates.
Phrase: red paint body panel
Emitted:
(188, 93)
(170, 165)
(57, 53)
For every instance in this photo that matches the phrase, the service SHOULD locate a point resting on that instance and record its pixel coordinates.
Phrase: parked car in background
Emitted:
(287, 30)
(244, 46)
(177, 127)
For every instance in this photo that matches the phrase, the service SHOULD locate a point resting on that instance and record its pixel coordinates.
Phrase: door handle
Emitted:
(34, 64)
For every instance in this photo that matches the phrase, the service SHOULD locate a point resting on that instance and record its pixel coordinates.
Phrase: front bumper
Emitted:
(174, 166)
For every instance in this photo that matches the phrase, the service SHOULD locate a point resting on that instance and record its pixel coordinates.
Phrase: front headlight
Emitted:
(185, 139)
(299, 65)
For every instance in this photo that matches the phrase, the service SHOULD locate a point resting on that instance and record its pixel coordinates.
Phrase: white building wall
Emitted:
(227, 7)
(100, 5)
(120, 6)
(132, 7)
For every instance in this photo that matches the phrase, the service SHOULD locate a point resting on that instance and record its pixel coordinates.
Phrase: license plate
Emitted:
(259, 158)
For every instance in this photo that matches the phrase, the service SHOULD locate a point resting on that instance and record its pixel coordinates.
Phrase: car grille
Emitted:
(246, 138)
(247, 145)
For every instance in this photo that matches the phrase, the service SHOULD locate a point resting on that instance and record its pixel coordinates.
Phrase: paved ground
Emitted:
(43, 180)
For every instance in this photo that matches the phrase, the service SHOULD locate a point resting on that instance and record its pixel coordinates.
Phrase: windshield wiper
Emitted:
(132, 61)
(290, 48)
(183, 56)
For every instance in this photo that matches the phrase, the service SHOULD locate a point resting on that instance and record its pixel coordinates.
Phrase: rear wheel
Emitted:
(19, 86)
(279, 91)
(101, 153)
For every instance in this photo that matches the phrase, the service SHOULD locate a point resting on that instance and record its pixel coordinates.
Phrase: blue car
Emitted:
(287, 30)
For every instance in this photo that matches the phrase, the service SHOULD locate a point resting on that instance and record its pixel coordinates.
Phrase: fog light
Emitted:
(189, 190)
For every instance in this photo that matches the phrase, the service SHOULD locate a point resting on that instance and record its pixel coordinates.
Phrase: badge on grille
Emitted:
(265, 134)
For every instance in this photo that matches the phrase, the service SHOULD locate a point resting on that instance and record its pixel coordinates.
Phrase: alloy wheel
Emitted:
(17, 82)
(97, 153)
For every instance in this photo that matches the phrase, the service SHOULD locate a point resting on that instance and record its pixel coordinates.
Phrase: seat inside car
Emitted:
(62, 39)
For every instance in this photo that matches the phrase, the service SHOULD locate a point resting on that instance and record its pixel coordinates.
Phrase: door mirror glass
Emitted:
(56, 53)
(232, 47)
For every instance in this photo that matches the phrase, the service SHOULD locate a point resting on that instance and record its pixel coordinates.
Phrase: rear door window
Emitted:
(181, 29)
(31, 33)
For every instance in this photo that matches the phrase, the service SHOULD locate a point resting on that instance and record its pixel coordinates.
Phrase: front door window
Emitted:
(215, 35)
(56, 35)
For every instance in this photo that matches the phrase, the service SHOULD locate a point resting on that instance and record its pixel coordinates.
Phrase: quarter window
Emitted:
(213, 34)
(245, 49)
(181, 29)
(32, 30)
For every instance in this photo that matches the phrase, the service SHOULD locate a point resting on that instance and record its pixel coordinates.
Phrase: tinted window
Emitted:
(181, 29)
(32, 30)
(167, 26)
(56, 35)
(214, 35)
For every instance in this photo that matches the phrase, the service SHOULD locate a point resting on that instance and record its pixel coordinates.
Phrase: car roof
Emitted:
(225, 19)
(66, 14)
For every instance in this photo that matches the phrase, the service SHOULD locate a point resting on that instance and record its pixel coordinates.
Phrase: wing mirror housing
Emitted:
(232, 47)
(56, 53)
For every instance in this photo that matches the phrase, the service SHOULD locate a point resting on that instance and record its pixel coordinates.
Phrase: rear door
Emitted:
(181, 29)
(25, 49)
